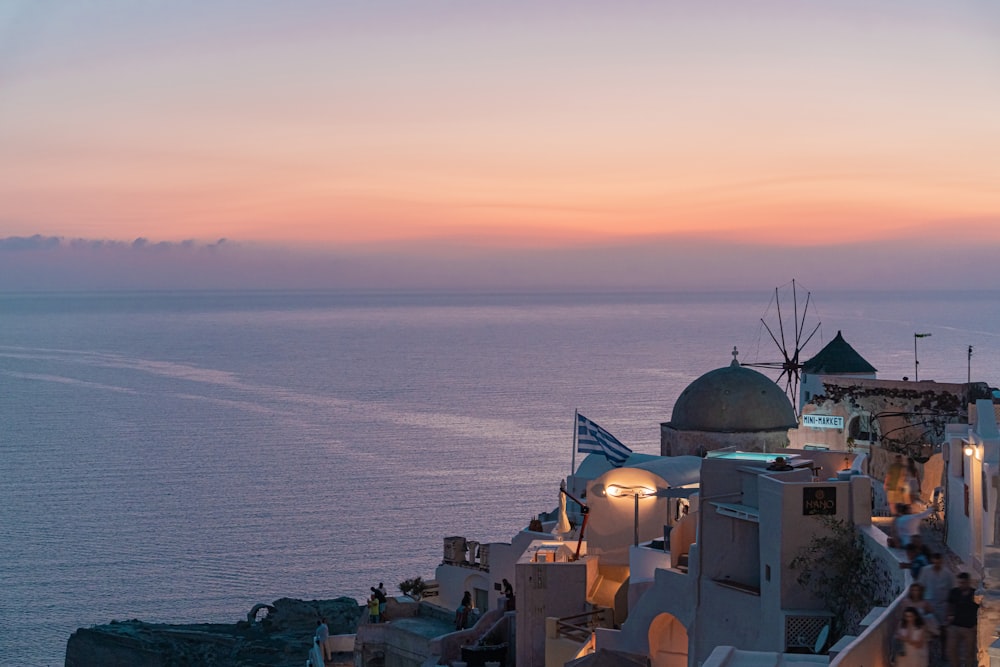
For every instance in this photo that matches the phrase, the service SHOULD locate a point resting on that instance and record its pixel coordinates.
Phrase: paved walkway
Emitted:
(933, 537)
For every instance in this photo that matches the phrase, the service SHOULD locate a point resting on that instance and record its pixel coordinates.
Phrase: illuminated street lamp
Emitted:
(636, 492)
(916, 364)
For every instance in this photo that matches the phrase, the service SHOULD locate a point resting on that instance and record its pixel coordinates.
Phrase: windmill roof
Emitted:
(837, 357)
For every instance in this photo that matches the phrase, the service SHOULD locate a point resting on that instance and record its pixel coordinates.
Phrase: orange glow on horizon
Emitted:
(678, 124)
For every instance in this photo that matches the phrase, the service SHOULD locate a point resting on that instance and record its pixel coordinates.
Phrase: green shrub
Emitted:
(413, 588)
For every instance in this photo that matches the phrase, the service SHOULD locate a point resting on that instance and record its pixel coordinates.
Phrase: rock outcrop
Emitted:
(274, 635)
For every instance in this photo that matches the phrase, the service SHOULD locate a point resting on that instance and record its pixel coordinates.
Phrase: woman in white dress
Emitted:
(911, 640)
(932, 626)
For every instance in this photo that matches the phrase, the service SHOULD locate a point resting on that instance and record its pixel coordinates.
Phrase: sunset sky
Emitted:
(365, 132)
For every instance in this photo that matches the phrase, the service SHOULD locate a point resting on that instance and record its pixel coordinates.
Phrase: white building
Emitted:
(737, 588)
(972, 455)
(686, 561)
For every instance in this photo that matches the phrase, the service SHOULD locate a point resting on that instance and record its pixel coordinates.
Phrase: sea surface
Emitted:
(181, 456)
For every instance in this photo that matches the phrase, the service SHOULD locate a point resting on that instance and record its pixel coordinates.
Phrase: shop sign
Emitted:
(823, 421)
(819, 500)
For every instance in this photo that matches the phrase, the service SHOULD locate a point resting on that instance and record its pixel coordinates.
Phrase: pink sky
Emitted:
(313, 124)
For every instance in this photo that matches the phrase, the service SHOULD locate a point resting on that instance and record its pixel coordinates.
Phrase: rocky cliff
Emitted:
(273, 635)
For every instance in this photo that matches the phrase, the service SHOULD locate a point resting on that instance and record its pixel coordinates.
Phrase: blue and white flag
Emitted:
(591, 438)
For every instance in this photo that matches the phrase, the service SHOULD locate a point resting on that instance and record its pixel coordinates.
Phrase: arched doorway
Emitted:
(668, 642)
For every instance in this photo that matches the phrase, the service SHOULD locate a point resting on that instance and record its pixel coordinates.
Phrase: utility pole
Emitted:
(970, 365)
(916, 363)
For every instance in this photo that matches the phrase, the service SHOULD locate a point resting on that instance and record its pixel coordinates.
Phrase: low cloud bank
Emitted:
(39, 242)
(55, 263)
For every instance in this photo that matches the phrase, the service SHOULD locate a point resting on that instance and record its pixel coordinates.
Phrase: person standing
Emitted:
(963, 617)
(382, 601)
(323, 635)
(462, 613)
(911, 637)
(373, 609)
(508, 593)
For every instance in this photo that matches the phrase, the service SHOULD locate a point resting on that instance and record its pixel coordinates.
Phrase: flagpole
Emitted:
(576, 430)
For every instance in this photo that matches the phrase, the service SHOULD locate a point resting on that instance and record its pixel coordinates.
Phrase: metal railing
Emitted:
(580, 626)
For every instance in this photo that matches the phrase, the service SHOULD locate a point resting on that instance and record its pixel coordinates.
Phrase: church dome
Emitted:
(733, 399)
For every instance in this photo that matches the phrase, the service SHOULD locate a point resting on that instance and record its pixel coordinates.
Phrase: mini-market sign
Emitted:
(823, 421)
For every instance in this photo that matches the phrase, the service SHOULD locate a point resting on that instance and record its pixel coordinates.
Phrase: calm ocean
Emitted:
(179, 457)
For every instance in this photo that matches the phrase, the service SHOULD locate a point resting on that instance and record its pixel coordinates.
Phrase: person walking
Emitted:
(916, 597)
(907, 524)
(963, 617)
(911, 640)
(915, 561)
(913, 484)
(896, 488)
(938, 581)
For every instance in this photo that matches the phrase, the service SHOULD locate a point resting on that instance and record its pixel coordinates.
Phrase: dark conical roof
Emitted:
(837, 357)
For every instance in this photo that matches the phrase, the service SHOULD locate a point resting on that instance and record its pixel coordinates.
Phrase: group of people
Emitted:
(940, 613)
(320, 652)
(902, 483)
(939, 619)
(376, 604)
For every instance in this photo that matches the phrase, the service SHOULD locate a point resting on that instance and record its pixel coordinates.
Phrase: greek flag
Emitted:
(591, 438)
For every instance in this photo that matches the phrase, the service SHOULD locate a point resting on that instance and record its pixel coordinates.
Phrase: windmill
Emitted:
(790, 332)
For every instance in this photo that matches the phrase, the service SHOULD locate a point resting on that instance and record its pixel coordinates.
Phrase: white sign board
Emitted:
(823, 421)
